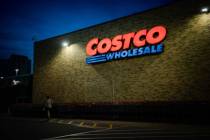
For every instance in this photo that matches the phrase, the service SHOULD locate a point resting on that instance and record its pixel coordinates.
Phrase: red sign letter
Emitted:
(127, 39)
(104, 45)
(156, 34)
(137, 40)
(116, 43)
(89, 47)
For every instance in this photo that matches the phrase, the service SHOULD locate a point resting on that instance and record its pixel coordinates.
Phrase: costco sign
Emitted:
(133, 44)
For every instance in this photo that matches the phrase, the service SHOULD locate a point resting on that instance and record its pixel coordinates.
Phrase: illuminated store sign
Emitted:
(143, 42)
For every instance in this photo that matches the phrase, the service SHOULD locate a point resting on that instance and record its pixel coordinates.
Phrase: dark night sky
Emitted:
(22, 20)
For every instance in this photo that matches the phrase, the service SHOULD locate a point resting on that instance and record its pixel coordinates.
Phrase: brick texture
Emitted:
(180, 73)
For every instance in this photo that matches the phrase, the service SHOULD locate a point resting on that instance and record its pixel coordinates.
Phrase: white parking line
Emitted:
(76, 134)
(137, 137)
(70, 122)
(134, 133)
(122, 130)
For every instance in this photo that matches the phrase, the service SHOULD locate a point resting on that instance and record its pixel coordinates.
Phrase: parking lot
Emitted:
(38, 128)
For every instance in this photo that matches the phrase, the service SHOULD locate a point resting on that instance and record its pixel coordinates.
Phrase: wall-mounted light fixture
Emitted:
(204, 10)
(65, 44)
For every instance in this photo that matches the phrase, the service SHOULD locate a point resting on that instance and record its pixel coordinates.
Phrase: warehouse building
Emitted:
(159, 55)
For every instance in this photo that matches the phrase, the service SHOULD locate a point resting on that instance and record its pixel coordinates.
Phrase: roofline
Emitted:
(91, 26)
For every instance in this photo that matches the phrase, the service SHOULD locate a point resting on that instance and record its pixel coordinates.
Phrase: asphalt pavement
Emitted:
(12, 128)
(128, 133)
(34, 129)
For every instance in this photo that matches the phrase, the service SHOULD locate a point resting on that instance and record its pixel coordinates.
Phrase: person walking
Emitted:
(48, 107)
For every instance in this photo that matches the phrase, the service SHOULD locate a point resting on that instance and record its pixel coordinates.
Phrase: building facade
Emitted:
(180, 73)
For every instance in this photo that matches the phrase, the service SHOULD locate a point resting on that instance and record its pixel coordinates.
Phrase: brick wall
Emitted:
(180, 73)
